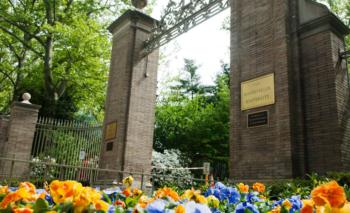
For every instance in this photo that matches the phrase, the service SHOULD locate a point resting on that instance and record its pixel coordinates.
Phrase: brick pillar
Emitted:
(4, 122)
(298, 41)
(130, 103)
(326, 89)
(259, 46)
(20, 134)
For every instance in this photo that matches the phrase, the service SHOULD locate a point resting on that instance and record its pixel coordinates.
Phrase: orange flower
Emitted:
(127, 192)
(330, 193)
(120, 203)
(308, 206)
(23, 210)
(259, 187)
(10, 198)
(243, 188)
(167, 192)
(144, 201)
(180, 209)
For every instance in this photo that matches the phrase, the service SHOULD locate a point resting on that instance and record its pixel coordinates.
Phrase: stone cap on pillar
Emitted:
(24, 106)
(316, 17)
(132, 15)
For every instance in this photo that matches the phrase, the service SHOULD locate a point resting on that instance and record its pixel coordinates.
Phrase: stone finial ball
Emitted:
(139, 4)
(26, 96)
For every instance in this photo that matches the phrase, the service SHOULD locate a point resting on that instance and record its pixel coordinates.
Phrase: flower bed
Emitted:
(71, 196)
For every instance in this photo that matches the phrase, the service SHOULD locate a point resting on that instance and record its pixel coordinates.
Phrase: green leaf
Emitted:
(7, 210)
(41, 206)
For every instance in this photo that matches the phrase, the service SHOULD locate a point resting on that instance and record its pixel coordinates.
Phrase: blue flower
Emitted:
(111, 209)
(233, 195)
(242, 207)
(220, 186)
(157, 206)
(215, 210)
(296, 204)
(192, 207)
(252, 197)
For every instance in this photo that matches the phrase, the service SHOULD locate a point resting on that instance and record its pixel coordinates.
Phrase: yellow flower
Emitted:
(27, 186)
(136, 192)
(190, 194)
(277, 209)
(200, 199)
(345, 209)
(64, 191)
(180, 209)
(128, 181)
(213, 201)
(243, 188)
(259, 187)
(100, 205)
(4, 189)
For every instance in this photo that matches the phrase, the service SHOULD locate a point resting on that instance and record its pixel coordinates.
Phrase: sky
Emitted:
(207, 44)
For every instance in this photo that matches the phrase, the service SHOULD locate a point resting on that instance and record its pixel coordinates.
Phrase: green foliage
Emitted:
(57, 50)
(303, 187)
(41, 206)
(195, 120)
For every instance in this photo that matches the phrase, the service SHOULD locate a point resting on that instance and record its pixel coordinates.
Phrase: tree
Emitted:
(58, 50)
(188, 85)
(198, 126)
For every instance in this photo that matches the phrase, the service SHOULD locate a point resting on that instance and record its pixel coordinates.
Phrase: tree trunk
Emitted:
(48, 66)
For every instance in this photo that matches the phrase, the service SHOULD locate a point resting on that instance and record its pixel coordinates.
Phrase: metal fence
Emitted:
(66, 143)
(144, 181)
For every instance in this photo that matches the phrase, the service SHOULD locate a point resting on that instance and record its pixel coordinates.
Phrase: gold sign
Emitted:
(258, 92)
(111, 131)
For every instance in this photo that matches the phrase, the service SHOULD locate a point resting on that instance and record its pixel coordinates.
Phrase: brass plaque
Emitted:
(258, 92)
(111, 131)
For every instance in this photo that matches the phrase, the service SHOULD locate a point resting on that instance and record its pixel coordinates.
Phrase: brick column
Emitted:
(299, 41)
(130, 103)
(4, 122)
(326, 89)
(260, 46)
(21, 129)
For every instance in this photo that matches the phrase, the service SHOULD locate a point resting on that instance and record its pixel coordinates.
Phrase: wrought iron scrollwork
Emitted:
(179, 18)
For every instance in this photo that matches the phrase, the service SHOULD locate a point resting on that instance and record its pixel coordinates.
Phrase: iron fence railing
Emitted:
(67, 142)
(10, 175)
